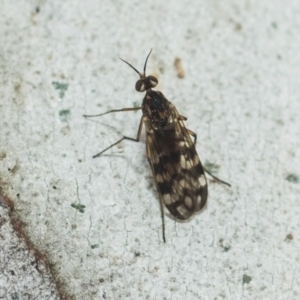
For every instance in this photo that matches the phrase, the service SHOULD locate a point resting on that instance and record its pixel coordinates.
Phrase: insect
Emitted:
(177, 171)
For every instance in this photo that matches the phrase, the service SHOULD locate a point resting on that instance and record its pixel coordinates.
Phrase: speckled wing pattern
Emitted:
(176, 167)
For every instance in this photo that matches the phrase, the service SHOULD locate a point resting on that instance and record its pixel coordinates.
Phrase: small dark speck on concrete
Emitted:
(226, 249)
(289, 237)
(79, 207)
(14, 296)
(246, 279)
(64, 115)
(238, 26)
(62, 87)
(292, 178)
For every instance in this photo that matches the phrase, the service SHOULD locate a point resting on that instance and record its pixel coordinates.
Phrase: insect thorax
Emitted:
(156, 107)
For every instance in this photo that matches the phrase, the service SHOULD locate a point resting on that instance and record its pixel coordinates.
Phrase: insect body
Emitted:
(176, 167)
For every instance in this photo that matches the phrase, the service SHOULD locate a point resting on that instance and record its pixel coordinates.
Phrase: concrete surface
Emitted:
(96, 222)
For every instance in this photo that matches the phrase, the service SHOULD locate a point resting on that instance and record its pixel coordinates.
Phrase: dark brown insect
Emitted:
(178, 173)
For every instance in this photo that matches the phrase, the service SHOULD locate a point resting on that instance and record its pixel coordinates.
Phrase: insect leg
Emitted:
(216, 178)
(162, 218)
(114, 110)
(125, 138)
(194, 135)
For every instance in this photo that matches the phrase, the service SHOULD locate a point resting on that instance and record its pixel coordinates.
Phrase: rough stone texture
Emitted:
(24, 271)
(98, 221)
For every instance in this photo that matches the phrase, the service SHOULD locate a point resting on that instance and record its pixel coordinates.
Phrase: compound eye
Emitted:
(153, 81)
(140, 86)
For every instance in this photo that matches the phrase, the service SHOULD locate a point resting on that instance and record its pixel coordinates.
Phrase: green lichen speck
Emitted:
(62, 87)
(78, 207)
(64, 115)
(246, 278)
(292, 178)
(226, 248)
(211, 167)
(136, 104)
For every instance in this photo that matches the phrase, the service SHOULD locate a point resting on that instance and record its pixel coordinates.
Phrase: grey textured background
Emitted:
(241, 91)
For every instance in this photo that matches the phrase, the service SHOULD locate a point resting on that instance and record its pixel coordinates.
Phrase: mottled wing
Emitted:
(176, 168)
